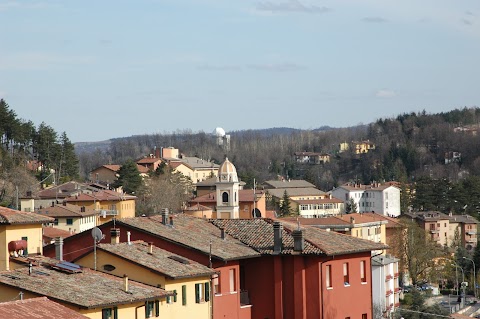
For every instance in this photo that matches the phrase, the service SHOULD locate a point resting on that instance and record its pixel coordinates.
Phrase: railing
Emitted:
(244, 298)
(388, 293)
(396, 274)
(397, 304)
(388, 277)
(471, 232)
(398, 289)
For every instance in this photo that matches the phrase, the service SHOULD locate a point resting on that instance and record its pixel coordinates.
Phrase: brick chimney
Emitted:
(277, 237)
(165, 216)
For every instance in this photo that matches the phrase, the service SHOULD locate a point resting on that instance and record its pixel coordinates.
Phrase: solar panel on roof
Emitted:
(67, 267)
(70, 264)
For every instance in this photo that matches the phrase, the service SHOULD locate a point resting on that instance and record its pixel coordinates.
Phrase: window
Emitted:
(216, 285)
(328, 276)
(184, 295)
(110, 313)
(69, 221)
(149, 307)
(346, 276)
(225, 197)
(233, 287)
(363, 273)
(55, 222)
(202, 292)
(364, 316)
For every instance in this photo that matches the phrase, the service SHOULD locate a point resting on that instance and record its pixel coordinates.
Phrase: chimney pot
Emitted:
(125, 282)
(277, 237)
(298, 240)
(115, 236)
(352, 220)
(64, 203)
(171, 220)
(222, 233)
(59, 248)
(164, 216)
(150, 248)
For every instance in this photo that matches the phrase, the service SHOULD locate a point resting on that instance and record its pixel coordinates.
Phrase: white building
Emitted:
(383, 199)
(385, 287)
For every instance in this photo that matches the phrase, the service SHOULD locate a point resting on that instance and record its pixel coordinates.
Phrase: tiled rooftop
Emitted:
(37, 308)
(298, 191)
(63, 190)
(67, 210)
(102, 195)
(373, 187)
(332, 200)
(52, 232)
(87, 289)
(288, 184)
(258, 234)
(11, 216)
(195, 233)
(161, 261)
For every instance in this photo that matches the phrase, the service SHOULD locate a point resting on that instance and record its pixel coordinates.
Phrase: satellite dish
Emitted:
(97, 234)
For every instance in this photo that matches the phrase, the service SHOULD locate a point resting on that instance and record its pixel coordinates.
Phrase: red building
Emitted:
(266, 269)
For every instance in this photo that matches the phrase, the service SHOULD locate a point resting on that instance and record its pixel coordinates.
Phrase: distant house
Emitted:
(195, 168)
(282, 184)
(311, 157)
(108, 174)
(312, 208)
(68, 217)
(50, 233)
(361, 147)
(382, 198)
(452, 157)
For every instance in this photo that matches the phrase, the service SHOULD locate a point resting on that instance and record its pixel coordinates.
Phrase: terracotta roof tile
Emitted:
(298, 191)
(41, 307)
(11, 216)
(300, 183)
(258, 234)
(67, 210)
(149, 160)
(162, 261)
(101, 195)
(87, 289)
(52, 232)
(195, 233)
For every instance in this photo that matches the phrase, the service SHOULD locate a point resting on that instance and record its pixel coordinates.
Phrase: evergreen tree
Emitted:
(128, 178)
(351, 207)
(285, 205)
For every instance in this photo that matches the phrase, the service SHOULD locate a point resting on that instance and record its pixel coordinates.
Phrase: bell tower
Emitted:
(227, 187)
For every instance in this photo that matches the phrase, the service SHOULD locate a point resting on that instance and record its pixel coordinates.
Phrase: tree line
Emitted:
(31, 154)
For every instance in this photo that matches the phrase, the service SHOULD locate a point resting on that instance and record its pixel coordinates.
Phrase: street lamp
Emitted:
(474, 278)
(463, 273)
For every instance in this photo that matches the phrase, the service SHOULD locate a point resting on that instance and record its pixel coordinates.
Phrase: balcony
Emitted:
(388, 293)
(397, 290)
(388, 277)
(397, 304)
(471, 232)
(396, 274)
(434, 231)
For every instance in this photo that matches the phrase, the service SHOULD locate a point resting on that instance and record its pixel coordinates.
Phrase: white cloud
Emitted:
(279, 67)
(385, 94)
(290, 6)
(374, 20)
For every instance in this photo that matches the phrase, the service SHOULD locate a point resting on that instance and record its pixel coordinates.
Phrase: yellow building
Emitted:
(20, 234)
(195, 168)
(91, 293)
(106, 203)
(69, 217)
(142, 262)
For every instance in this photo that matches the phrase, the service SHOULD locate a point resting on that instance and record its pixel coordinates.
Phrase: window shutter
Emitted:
(146, 310)
(175, 296)
(115, 313)
(184, 295)
(207, 291)
(157, 308)
(197, 293)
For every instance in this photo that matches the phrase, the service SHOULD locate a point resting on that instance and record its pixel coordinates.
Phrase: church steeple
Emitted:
(227, 186)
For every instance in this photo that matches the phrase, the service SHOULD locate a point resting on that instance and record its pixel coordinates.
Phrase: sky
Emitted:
(115, 68)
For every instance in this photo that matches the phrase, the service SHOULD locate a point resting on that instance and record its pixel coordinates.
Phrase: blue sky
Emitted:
(104, 69)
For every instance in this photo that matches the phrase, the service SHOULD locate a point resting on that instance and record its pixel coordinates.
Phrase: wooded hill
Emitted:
(407, 147)
(30, 154)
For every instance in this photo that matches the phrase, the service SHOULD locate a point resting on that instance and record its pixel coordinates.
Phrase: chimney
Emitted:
(115, 236)
(29, 193)
(150, 248)
(30, 266)
(222, 233)
(171, 220)
(53, 204)
(125, 282)
(352, 220)
(298, 240)
(164, 216)
(64, 203)
(128, 238)
(277, 237)
(59, 248)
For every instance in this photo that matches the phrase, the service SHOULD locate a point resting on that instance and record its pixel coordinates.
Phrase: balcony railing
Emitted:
(244, 298)
(434, 231)
(398, 289)
(396, 274)
(397, 304)
(388, 277)
(388, 293)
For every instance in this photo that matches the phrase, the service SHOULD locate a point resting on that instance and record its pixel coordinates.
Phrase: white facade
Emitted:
(227, 187)
(377, 198)
(385, 287)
